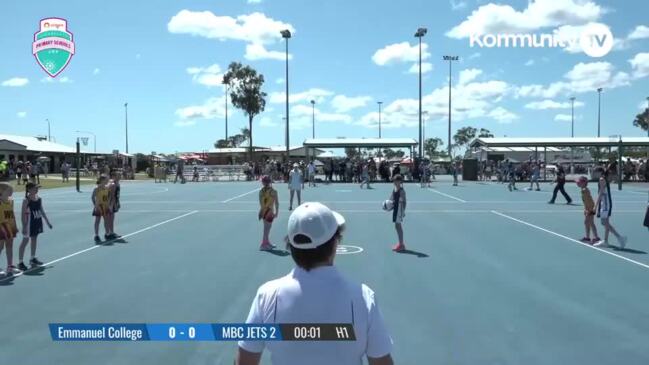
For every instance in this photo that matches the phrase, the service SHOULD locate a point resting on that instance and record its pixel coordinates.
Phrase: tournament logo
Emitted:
(53, 45)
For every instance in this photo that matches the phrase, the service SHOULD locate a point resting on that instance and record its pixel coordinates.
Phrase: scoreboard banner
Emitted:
(201, 332)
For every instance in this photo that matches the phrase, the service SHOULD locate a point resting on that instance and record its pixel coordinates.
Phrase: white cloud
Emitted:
(502, 115)
(529, 62)
(266, 122)
(21, 114)
(185, 123)
(640, 65)
(62, 80)
(458, 4)
(343, 104)
(209, 76)
(15, 82)
(474, 56)
(640, 32)
(280, 81)
(255, 29)
(563, 118)
(582, 78)
(212, 108)
(400, 52)
(96, 71)
(643, 105)
(425, 68)
(319, 95)
(257, 51)
(254, 1)
(551, 104)
(496, 18)
(469, 75)
(138, 56)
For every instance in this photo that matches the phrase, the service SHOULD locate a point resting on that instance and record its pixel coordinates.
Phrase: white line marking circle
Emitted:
(348, 250)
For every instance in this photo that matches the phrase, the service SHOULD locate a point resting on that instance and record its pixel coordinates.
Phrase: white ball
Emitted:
(388, 205)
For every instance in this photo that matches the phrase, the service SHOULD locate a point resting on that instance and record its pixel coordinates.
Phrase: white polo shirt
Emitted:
(322, 295)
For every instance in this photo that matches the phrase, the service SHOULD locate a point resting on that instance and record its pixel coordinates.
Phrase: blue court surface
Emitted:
(493, 277)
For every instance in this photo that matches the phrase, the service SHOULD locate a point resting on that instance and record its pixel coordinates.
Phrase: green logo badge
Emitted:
(53, 45)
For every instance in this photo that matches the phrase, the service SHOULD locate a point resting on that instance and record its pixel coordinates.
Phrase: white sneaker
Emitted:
(622, 240)
(2, 273)
(601, 244)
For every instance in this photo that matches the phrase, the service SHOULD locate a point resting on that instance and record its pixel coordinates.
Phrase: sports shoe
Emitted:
(13, 270)
(22, 267)
(622, 240)
(2, 273)
(266, 247)
(596, 240)
(602, 244)
(586, 240)
(551, 202)
(35, 262)
(399, 247)
(97, 240)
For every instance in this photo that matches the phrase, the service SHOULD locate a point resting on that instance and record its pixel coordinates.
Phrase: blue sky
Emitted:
(166, 57)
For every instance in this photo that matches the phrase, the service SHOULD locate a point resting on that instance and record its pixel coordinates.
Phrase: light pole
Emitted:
(49, 135)
(286, 34)
(126, 119)
(419, 34)
(599, 109)
(450, 60)
(94, 139)
(379, 102)
(572, 132)
(313, 119)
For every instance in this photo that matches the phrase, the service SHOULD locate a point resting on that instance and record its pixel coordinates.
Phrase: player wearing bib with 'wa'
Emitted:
(8, 228)
(268, 210)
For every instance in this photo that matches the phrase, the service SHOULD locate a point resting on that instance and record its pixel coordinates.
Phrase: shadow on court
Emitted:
(37, 271)
(629, 250)
(421, 255)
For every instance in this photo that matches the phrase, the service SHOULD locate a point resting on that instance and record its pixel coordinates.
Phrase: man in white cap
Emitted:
(316, 292)
(295, 184)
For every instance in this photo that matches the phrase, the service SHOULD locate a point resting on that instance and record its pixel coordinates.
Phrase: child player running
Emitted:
(604, 210)
(267, 202)
(589, 211)
(8, 228)
(101, 207)
(32, 214)
(399, 211)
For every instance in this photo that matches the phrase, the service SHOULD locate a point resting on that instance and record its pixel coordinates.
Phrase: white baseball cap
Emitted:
(315, 221)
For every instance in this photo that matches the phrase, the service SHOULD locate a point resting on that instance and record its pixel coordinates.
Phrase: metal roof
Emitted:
(560, 142)
(359, 142)
(37, 145)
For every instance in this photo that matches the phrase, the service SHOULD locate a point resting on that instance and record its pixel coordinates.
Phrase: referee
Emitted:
(316, 292)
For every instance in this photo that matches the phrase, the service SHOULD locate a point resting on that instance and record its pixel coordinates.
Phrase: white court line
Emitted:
(164, 190)
(97, 246)
(239, 196)
(446, 195)
(571, 239)
(139, 211)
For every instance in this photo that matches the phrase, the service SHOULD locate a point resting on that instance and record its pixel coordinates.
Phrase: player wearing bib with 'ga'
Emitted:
(8, 228)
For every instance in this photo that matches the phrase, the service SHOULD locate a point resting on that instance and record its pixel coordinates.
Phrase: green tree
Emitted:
(485, 133)
(463, 136)
(246, 95)
(351, 152)
(221, 143)
(431, 145)
(642, 120)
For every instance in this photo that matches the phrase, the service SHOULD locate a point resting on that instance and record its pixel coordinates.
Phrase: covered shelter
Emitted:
(408, 143)
(533, 144)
